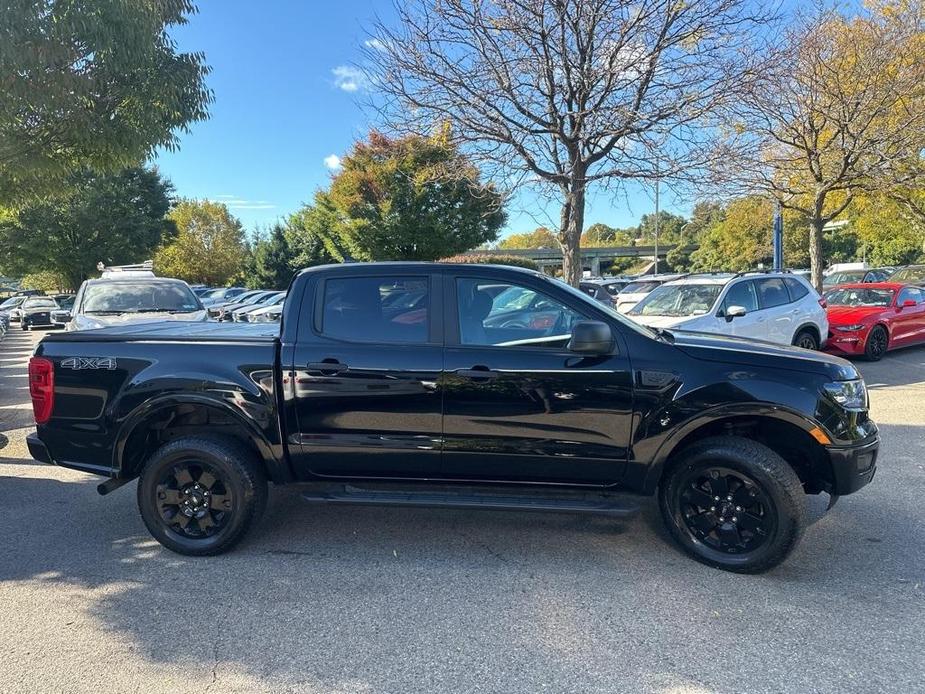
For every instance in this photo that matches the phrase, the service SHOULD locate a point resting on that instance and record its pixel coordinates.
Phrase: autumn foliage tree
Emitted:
(209, 246)
(408, 198)
(839, 111)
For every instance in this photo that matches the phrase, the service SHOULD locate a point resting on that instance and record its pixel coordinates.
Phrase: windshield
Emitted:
(620, 318)
(39, 303)
(140, 296)
(640, 287)
(851, 296)
(843, 277)
(678, 300)
(513, 299)
(909, 274)
(12, 303)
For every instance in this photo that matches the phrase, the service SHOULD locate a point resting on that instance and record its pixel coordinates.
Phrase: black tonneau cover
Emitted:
(173, 331)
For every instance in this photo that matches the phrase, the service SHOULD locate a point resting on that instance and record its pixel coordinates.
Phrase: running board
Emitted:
(599, 504)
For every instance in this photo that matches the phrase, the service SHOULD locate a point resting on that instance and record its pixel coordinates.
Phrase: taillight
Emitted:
(823, 302)
(42, 388)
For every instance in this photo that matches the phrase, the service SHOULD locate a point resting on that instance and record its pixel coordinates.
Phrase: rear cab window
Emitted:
(383, 309)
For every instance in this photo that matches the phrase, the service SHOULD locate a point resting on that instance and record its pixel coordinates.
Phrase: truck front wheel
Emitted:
(200, 495)
(733, 503)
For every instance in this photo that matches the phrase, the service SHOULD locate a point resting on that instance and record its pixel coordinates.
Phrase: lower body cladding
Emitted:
(728, 501)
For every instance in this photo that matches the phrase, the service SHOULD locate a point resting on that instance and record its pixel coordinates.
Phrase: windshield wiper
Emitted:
(104, 313)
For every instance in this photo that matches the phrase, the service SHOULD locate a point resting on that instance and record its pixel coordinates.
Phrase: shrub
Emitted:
(514, 260)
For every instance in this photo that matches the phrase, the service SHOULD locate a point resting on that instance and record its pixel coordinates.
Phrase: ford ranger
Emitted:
(466, 386)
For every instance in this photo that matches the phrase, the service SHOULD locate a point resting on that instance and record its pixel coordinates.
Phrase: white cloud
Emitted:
(332, 161)
(375, 44)
(349, 79)
(233, 202)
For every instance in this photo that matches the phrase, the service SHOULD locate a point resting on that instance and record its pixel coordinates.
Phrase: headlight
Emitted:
(849, 328)
(851, 395)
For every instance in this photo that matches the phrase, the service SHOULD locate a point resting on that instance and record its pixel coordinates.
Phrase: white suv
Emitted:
(775, 306)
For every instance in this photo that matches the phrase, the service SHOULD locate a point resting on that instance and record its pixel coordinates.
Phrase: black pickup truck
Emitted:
(467, 386)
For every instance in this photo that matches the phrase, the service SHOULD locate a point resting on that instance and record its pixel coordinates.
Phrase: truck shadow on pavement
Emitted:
(386, 599)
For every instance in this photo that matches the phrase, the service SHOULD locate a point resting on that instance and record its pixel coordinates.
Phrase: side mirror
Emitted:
(909, 303)
(735, 312)
(591, 337)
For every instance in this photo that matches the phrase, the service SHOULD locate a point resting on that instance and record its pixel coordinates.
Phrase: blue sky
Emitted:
(285, 102)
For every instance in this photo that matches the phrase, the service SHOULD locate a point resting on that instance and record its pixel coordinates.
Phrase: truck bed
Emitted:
(173, 331)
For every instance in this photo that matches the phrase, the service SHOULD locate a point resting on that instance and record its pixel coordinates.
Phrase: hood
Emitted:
(85, 322)
(665, 321)
(749, 352)
(847, 315)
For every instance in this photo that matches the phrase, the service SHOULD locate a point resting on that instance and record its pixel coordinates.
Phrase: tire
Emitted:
(877, 343)
(806, 339)
(207, 522)
(767, 512)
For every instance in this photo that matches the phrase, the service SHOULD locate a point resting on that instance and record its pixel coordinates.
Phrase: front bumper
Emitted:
(853, 466)
(846, 344)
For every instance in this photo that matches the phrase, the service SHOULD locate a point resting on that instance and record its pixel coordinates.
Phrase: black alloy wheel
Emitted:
(193, 499)
(806, 340)
(877, 343)
(200, 495)
(726, 509)
(733, 503)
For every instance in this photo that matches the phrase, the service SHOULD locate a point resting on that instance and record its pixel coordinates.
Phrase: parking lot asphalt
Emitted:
(398, 600)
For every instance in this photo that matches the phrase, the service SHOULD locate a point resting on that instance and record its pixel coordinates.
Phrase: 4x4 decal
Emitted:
(77, 363)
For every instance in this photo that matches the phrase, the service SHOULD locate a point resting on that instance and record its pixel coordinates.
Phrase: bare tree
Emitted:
(840, 110)
(569, 93)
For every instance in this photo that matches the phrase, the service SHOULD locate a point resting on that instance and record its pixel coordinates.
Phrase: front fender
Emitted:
(653, 471)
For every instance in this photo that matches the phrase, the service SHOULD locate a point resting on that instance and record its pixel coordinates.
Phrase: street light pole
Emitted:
(656, 223)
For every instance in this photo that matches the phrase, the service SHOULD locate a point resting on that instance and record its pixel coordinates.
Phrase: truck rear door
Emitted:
(364, 374)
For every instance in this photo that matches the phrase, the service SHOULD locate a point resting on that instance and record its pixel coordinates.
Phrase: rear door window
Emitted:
(772, 292)
(377, 309)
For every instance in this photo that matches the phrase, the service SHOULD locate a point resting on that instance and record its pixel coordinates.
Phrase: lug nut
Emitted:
(729, 497)
(713, 508)
(735, 520)
(715, 498)
(739, 509)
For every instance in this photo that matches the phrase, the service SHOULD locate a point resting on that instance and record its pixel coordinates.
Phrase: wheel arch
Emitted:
(785, 432)
(811, 327)
(157, 422)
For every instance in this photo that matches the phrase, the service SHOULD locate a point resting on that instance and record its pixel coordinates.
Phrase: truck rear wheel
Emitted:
(200, 495)
(733, 504)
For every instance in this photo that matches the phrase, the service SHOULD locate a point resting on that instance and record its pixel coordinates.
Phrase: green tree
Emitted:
(887, 230)
(412, 198)
(541, 237)
(601, 235)
(271, 261)
(45, 280)
(114, 218)
(209, 246)
(306, 231)
(740, 239)
(93, 84)
(669, 228)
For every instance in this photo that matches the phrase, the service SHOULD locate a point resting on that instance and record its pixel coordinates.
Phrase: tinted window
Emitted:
(915, 273)
(517, 316)
(772, 292)
(39, 303)
(741, 294)
(909, 293)
(797, 289)
(678, 300)
(377, 309)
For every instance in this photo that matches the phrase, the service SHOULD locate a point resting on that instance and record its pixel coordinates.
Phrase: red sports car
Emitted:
(869, 319)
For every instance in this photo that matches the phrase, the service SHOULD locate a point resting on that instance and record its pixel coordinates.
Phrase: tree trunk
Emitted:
(815, 252)
(571, 224)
